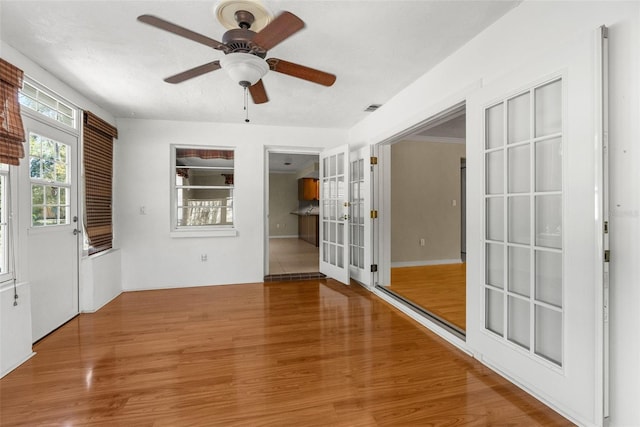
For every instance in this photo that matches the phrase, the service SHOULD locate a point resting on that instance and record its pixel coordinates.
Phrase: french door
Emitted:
(334, 213)
(536, 211)
(48, 206)
(360, 232)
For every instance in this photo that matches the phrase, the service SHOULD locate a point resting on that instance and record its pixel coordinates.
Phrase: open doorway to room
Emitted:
(293, 213)
(427, 232)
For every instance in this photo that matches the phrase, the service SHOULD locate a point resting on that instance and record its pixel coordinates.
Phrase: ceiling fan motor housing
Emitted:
(239, 40)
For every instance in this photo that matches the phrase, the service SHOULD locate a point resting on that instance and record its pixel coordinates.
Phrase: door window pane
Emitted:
(495, 172)
(549, 165)
(549, 277)
(548, 109)
(518, 314)
(549, 221)
(519, 214)
(495, 265)
(494, 311)
(518, 122)
(548, 327)
(519, 169)
(494, 123)
(519, 270)
(495, 218)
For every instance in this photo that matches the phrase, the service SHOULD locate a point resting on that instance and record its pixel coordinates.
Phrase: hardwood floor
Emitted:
(310, 353)
(440, 289)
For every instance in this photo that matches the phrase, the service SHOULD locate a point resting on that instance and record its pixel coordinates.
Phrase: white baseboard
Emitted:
(425, 262)
(11, 368)
(96, 309)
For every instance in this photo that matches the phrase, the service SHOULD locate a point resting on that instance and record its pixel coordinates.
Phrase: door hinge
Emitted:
(374, 160)
(607, 255)
(606, 227)
(374, 268)
(374, 214)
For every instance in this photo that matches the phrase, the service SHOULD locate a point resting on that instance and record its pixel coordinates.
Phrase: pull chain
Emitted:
(246, 104)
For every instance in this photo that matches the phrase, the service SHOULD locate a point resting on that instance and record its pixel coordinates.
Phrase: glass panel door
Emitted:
(359, 215)
(536, 258)
(334, 213)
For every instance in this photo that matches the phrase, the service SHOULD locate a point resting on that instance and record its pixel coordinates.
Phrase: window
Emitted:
(50, 184)
(47, 104)
(203, 188)
(97, 136)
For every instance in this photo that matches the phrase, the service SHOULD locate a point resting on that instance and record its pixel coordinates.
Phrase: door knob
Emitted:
(76, 232)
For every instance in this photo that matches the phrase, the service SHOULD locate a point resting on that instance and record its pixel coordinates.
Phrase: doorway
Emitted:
(293, 209)
(427, 231)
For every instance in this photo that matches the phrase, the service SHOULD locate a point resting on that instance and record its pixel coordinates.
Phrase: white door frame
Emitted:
(313, 151)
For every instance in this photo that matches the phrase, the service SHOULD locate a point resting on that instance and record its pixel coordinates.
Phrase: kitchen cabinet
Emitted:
(308, 227)
(308, 189)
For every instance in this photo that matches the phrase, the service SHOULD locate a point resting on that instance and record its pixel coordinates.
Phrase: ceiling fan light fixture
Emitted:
(244, 68)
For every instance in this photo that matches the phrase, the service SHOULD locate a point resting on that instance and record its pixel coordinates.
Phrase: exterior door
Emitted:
(334, 213)
(359, 215)
(536, 258)
(48, 193)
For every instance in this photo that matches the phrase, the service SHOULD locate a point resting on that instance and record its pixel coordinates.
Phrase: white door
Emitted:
(334, 213)
(48, 193)
(536, 259)
(360, 215)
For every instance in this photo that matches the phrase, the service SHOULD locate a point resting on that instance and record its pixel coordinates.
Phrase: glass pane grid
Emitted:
(523, 143)
(47, 105)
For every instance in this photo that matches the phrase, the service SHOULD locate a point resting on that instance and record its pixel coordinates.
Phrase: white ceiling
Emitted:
(375, 48)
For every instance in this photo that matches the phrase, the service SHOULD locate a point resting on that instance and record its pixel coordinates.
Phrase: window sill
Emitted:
(224, 232)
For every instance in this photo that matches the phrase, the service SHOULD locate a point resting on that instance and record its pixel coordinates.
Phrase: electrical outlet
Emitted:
(203, 257)
(422, 242)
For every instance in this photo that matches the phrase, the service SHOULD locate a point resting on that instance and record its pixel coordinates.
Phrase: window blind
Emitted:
(11, 130)
(98, 178)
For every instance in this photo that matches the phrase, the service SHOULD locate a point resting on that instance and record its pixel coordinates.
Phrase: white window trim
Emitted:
(8, 236)
(74, 130)
(197, 231)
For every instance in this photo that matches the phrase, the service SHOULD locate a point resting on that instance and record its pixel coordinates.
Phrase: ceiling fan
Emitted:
(245, 51)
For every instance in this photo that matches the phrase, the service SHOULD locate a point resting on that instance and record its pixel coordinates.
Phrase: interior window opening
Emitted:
(427, 231)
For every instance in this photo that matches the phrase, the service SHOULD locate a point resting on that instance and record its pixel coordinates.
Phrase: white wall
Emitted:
(525, 32)
(151, 258)
(425, 179)
(283, 199)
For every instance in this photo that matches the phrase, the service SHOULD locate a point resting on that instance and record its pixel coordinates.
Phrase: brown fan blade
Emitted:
(181, 31)
(194, 72)
(285, 25)
(301, 72)
(258, 93)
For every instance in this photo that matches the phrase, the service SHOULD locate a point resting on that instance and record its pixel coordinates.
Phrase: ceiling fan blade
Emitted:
(194, 72)
(285, 25)
(258, 93)
(181, 31)
(301, 72)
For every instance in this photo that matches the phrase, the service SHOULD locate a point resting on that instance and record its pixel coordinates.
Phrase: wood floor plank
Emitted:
(292, 353)
(440, 289)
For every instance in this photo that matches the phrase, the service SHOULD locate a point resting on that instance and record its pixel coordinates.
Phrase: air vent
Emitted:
(372, 107)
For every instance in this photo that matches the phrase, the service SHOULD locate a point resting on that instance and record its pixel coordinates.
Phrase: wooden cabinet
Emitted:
(308, 226)
(308, 189)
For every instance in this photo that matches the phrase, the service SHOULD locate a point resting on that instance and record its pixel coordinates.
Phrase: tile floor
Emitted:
(292, 255)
